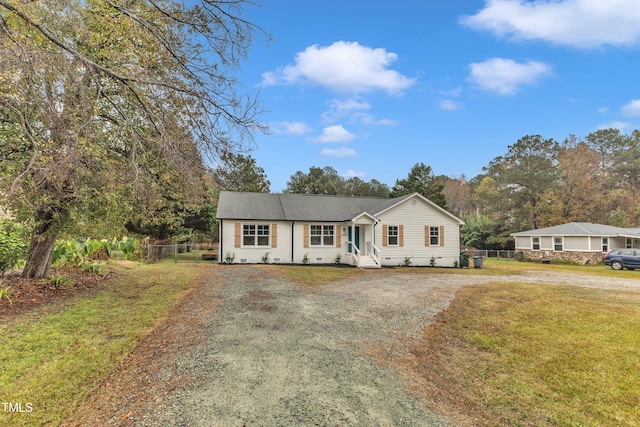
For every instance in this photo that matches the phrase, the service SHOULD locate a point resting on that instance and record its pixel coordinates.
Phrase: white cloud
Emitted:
(338, 152)
(353, 174)
(346, 67)
(339, 109)
(578, 23)
(289, 128)
(368, 119)
(615, 125)
(632, 109)
(450, 105)
(335, 133)
(505, 76)
(454, 93)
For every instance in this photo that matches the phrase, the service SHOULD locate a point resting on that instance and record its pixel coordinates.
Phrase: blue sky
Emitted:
(371, 87)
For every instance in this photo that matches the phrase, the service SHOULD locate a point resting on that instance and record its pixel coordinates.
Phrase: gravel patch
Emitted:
(271, 353)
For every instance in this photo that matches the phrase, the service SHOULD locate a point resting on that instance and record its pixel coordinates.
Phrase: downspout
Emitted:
(292, 242)
(220, 240)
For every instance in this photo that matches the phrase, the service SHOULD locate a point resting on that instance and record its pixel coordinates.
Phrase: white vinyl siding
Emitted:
(412, 240)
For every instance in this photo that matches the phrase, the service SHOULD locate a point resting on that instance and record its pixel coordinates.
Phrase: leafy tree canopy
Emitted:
(421, 180)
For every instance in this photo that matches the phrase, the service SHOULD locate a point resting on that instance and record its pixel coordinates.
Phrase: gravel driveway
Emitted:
(274, 354)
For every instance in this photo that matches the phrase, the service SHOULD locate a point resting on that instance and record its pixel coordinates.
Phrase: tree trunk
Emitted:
(40, 254)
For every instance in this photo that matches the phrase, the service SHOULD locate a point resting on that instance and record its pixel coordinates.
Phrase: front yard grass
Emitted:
(535, 355)
(52, 361)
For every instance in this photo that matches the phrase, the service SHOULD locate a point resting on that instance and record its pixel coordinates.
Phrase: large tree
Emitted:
(238, 172)
(326, 180)
(421, 180)
(95, 93)
(524, 174)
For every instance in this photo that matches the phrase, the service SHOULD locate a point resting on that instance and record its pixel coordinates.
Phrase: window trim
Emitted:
(555, 244)
(605, 244)
(396, 235)
(256, 235)
(535, 240)
(322, 235)
(435, 236)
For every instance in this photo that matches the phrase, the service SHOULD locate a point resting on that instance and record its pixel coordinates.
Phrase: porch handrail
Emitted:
(376, 253)
(357, 253)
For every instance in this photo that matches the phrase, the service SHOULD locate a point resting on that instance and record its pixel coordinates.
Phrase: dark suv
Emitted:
(623, 258)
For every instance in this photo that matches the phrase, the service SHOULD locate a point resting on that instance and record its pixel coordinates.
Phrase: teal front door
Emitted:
(355, 239)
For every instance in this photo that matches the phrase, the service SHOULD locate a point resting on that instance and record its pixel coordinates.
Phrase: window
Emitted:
(557, 244)
(321, 235)
(535, 243)
(392, 235)
(605, 244)
(434, 236)
(629, 242)
(255, 235)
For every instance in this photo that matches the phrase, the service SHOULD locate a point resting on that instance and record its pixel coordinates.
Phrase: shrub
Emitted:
(432, 261)
(338, 258)
(265, 258)
(13, 248)
(305, 258)
(407, 261)
(229, 257)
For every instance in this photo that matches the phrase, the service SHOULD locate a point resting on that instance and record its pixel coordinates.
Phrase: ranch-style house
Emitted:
(320, 229)
(580, 242)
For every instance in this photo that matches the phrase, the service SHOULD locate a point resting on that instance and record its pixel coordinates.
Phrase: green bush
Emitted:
(13, 247)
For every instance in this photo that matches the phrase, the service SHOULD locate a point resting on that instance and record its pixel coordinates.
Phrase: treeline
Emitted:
(537, 183)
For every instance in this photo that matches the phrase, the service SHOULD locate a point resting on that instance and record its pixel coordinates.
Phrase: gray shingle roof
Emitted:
(580, 229)
(302, 207)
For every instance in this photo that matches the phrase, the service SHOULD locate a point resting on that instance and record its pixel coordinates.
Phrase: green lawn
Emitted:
(532, 355)
(52, 361)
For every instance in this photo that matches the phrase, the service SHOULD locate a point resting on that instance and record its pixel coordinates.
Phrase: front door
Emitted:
(355, 238)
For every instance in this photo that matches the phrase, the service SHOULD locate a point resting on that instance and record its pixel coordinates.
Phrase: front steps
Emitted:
(367, 261)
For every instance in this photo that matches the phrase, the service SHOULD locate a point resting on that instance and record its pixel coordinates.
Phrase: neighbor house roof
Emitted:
(304, 207)
(581, 229)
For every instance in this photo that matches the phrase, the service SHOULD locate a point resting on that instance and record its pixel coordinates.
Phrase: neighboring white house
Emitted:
(581, 242)
(319, 229)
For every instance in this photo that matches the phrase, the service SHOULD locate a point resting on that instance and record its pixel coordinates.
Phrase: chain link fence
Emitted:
(181, 252)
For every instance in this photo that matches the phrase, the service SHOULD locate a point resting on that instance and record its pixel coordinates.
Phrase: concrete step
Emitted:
(368, 262)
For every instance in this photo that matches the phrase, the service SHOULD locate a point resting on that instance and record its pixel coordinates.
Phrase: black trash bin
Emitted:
(464, 261)
(477, 261)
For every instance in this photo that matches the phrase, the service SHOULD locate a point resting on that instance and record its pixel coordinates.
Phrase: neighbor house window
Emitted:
(535, 243)
(605, 244)
(392, 235)
(255, 235)
(434, 236)
(629, 242)
(557, 244)
(321, 235)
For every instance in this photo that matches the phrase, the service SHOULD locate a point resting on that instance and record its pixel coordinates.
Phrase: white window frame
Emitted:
(535, 241)
(629, 242)
(556, 244)
(605, 244)
(393, 231)
(434, 236)
(326, 232)
(257, 232)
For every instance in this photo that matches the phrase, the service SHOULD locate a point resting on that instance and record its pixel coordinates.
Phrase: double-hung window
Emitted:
(434, 236)
(255, 235)
(321, 235)
(535, 243)
(392, 235)
(605, 244)
(557, 244)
